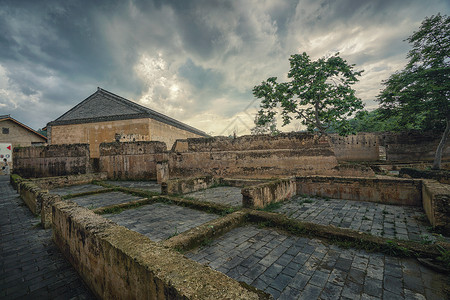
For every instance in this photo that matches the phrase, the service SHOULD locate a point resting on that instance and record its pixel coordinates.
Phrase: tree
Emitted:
(268, 128)
(419, 94)
(376, 121)
(319, 94)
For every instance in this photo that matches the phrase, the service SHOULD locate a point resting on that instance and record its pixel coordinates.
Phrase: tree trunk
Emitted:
(440, 148)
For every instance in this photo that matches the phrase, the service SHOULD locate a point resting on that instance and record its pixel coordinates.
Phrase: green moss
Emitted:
(272, 206)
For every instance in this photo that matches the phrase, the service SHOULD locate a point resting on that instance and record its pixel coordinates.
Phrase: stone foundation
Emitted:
(122, 264)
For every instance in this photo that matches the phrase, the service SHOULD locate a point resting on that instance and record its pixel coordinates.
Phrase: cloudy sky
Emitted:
(196, 61)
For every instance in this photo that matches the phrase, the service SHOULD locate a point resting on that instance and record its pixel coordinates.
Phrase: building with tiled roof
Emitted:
(107, 117)
(19, 134)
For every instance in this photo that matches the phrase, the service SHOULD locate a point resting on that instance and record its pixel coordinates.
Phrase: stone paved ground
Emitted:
(389, 221)
(290, 267)
(226, 195)
(151, 186)
(31, 266)
(76, 189)
(104, 199)
(160, 221)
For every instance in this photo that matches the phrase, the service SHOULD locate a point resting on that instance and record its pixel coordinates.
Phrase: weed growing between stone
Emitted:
(174, 234)
(444, 258)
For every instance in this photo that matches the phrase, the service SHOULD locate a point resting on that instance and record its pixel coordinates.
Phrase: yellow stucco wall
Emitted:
(96, 133)
(18, 136)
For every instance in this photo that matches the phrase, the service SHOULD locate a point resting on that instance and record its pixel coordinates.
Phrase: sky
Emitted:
(196, 61)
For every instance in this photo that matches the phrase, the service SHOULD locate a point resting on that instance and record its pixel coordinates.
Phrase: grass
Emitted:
(444, 258)
(119, 209)
(425, 239)
(174, 234)
(305, 201)
(272, 206)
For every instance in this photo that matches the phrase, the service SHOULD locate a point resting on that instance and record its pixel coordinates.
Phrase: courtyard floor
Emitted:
(290, 267)
(225, 195)
(389, 221)
(287, 266)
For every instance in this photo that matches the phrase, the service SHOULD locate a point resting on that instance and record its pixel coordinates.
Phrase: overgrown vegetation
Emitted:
(419, 94)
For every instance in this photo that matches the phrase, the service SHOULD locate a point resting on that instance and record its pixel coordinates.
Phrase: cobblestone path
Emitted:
(160, 221)
(389, 221)
(76, 189)
(225, 195)
(151, 186)
(31, 265)
(290, 267)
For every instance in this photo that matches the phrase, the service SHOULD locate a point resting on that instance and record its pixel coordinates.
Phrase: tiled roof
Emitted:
(106, 106)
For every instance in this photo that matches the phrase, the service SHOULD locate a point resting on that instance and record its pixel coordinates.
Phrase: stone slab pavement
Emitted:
(160, 221)
(151, 186)
(225, 195)
(104, 199)
(290, 267)
(389, 221)
(31, 265)
(76, 189)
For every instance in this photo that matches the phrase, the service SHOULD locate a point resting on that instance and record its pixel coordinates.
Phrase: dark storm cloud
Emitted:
(193, 58)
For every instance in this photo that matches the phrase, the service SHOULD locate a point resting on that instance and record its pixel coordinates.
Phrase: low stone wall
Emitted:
(30, 194)
(188, 185)
(436, 203)
(47, 200)
(260, 195)
(122, 264)
(15, 180)
(38, 200)
(52, 160)
(131, 160)
(253, 156)
(61, 181)
(381, 190)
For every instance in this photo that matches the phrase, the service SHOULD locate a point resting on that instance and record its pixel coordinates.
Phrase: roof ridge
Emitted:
(134, 106)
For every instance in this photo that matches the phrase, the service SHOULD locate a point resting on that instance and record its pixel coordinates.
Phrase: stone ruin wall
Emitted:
(131, 160)
(257, 156)
(358, 147)
(412, 146)
(52, 160)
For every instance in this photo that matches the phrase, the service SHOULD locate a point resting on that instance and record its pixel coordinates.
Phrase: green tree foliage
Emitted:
(268, 128)
(319, 94)
(419, 94)
(376, 121)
